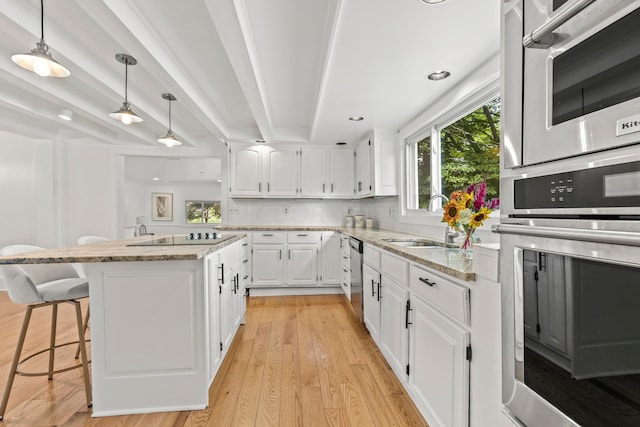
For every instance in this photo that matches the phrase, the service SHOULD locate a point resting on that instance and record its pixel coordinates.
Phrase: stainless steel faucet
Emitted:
(449, 233)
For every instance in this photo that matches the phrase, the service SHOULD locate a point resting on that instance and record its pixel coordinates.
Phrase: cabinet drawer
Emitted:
(447, 296)
(372, 257)
(394, 267)
(268, 237)
(303, 237)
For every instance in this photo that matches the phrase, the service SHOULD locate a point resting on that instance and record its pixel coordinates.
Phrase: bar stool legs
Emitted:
(82, 349)
(86, 326)
(16, 360)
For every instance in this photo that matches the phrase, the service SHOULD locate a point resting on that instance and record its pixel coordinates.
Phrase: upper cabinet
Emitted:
(245, 172)
(314, 167)
(281, 172)
(291, 172)
(376, 165)
(341, 169)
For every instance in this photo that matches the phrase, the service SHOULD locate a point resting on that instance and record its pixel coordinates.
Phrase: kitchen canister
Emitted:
(369, 222)
(348, 221)
(359, 221)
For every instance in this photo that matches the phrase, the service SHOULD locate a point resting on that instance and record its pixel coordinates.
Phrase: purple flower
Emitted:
(480, 194)
(494, 204)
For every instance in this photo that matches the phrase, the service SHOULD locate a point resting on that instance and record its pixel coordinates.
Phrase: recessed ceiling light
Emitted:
(66, 114)
(218, 180)
(341, 143)
(438, 75)
(356, 118)
(260, 141)
(156, 179)
(432, 1)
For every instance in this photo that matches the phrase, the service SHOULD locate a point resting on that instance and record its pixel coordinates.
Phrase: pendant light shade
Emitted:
(125, 114)
(170, 139)
(39, 60)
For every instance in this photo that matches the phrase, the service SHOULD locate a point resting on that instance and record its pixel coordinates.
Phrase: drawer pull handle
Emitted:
(267, 235)
(427, 281)
(302, 235)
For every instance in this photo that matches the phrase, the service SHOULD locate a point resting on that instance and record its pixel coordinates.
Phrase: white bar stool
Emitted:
(43, 285)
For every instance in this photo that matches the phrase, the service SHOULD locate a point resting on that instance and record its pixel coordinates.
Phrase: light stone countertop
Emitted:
(446, 259)
(119, 251)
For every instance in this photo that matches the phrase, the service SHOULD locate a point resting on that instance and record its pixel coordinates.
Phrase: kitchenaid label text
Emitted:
(628, 125)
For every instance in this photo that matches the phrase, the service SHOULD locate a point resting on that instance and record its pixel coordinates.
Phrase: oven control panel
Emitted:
(605, 186)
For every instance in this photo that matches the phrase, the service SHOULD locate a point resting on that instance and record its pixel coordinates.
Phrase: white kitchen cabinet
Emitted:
(245, 172)
(393, 327)
(228, 264)
(290, 172)
(213, 323)
(363, 168)
(314, 169)
(438, 366)
(371, 301)
(330, 258)
(341, 172)
(268, 264)
(302, 264)
(345, 265)
(281, 172)
(376, 158)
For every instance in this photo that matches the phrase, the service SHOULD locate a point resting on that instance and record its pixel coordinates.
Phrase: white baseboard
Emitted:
(269, 292)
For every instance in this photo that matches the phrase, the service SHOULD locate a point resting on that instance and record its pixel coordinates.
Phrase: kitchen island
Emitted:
(162, 318)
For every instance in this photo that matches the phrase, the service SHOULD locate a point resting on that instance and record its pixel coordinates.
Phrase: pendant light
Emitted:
(39, 60)
(169, 139)
(124, 114)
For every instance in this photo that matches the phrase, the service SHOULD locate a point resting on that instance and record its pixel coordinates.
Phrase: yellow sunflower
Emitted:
(451, 213)
(466, 200)
(478, 217)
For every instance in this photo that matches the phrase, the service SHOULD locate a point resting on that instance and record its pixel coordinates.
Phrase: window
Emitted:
(450, 155)
(200, 212)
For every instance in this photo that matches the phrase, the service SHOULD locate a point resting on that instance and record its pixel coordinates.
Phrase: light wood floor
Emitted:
(298, 361)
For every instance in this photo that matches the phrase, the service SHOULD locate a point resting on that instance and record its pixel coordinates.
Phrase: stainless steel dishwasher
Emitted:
(356, 249)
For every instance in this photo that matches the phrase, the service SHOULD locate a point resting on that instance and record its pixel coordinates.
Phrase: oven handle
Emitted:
(583, 235)
(542, 37)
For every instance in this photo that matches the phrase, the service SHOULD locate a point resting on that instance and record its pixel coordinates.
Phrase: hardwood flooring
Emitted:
(298, 361)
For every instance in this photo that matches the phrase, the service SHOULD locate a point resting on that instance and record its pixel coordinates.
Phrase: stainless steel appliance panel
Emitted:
(579, 87)
(589, 337)
(356, 250)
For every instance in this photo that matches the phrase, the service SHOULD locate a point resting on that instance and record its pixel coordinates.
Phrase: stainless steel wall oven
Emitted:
(579, 91)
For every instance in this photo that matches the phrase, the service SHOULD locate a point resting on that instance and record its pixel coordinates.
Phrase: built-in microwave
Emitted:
(579, 91)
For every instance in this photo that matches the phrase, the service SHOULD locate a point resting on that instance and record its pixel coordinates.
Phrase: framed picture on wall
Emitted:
(162, 206)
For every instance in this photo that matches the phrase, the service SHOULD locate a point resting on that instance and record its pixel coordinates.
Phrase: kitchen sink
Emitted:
(414, 243)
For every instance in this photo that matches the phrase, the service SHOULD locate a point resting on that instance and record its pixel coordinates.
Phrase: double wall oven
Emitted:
(570, 212)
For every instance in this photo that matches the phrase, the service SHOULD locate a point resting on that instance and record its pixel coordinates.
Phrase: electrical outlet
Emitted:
(234, 211)
(348, 211)
(286, 211)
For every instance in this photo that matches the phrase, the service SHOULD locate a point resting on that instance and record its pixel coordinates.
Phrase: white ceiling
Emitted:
(288, 71)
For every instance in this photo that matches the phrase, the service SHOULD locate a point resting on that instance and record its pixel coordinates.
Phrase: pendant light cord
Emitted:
(42, 20)
(169, 115)
(126, 77)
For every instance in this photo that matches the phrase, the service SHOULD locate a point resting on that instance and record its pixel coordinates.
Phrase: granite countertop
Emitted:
(119, 251)
(447, 259)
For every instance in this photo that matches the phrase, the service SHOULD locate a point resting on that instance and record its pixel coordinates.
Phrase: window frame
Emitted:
(202, 202)
(432, 128)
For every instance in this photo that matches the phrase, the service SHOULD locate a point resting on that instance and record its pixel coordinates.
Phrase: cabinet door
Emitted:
(313, 172)
(245, 172)
(438, 367)
(393, 332)
(331, 259)
(281, 175)
(302, 264)
(226, 308)
(268, 265)
(371, 301)
(238, 301)
(363, 168)
(341, 167)
(213, 317)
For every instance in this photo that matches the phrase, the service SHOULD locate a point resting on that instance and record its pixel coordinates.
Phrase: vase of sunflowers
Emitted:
(467, 210)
